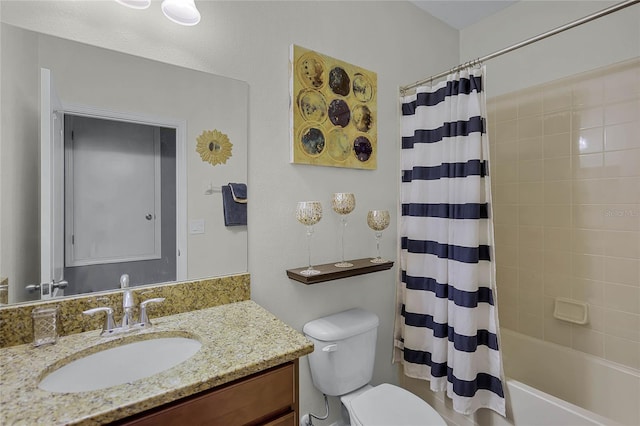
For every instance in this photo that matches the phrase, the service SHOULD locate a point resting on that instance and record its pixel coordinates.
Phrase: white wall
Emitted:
(605, 41)
(250, 41)
(19, 164)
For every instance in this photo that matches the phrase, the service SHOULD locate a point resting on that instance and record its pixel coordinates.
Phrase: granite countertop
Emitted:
(238, 339)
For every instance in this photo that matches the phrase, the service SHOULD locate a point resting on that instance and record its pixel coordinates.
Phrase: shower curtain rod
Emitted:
(596, 15)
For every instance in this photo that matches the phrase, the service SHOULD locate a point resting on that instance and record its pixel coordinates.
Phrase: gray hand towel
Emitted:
(235, 212)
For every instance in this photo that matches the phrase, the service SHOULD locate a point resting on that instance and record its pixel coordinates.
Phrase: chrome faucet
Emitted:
(109, 326)
(144, 318)
(127, 323)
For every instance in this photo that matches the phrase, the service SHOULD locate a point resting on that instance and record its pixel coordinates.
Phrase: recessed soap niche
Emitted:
(572, 311)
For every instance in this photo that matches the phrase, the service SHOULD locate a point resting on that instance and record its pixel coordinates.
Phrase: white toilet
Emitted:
(342, 365)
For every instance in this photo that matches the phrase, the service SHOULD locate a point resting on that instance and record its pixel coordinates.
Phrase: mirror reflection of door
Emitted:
(113, 191)
(120, 214)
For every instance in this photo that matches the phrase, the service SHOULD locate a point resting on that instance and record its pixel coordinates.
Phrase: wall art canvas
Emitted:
(333, 111)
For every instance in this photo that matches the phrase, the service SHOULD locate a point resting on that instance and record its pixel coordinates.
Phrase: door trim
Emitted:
(51, 181)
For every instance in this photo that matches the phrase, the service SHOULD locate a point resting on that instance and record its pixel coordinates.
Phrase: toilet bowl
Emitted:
(342, 365)
(389, 405)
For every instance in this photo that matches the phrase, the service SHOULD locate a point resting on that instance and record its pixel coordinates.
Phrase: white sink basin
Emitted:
(121, 364)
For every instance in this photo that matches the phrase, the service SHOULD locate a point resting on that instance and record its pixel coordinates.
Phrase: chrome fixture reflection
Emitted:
(127, 302)
(378, 220)
(343, 203)
(183, 12)
(135, 4)
(309, 213)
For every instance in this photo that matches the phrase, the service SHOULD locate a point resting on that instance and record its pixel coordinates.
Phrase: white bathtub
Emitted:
(564, 387)
(567, 379)
(527, 406)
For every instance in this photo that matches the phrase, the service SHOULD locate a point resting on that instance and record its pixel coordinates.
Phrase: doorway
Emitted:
(120, 203)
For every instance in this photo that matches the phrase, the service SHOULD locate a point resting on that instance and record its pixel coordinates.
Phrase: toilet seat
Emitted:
(386, 405)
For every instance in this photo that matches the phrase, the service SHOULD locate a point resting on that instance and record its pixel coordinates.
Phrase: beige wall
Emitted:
(567, 151)
(567, 209)
(250, 41)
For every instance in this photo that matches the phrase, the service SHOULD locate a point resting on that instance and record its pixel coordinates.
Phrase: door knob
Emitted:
(60, 284)
(32, 287)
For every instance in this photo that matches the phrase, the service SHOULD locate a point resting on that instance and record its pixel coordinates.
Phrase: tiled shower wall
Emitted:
(565, 170)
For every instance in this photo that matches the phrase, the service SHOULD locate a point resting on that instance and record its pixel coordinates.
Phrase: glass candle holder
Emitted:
(343, 203)
(378, 220)
(309, 213)
(45, 325)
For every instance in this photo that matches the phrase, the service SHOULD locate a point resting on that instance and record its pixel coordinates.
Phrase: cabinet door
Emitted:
(265, 398)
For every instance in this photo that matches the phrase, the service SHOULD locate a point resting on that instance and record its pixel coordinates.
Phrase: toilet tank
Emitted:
(345, 349)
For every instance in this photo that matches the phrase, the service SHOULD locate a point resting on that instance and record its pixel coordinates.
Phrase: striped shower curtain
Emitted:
(447, 324)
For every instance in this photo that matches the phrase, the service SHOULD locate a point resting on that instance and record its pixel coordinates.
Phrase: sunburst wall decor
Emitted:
(214, 147)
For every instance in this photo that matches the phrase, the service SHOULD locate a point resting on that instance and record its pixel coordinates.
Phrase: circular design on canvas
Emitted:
(339, 113)
(362, 88)
(313, 106)
(362, 148)
(339, 81)
(338, 145)
(312, 141)
(310, 68)
(362, 118)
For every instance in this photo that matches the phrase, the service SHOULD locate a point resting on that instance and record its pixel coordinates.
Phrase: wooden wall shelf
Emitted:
(330, 272)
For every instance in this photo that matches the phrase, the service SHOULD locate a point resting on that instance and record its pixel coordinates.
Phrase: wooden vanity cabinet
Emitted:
(266, 398)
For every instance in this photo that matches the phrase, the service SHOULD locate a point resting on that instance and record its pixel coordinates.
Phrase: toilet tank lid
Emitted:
(341, 325)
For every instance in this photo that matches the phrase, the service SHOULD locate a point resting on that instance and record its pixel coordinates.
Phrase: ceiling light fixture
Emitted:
(183, 12)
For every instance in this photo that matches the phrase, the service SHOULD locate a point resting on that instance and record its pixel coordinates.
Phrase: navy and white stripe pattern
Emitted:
(447, 320)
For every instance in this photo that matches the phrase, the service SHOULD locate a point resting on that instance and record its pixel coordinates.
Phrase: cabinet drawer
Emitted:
(257, 399)
(286, 420)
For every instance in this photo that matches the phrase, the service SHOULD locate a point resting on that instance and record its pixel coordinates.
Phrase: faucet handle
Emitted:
(144, 318)
(109, 324)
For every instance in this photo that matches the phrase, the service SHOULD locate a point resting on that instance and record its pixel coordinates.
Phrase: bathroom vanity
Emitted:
(266, 398)
(246, 372)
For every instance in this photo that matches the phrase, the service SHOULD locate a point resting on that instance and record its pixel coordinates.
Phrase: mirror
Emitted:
(39, 202)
